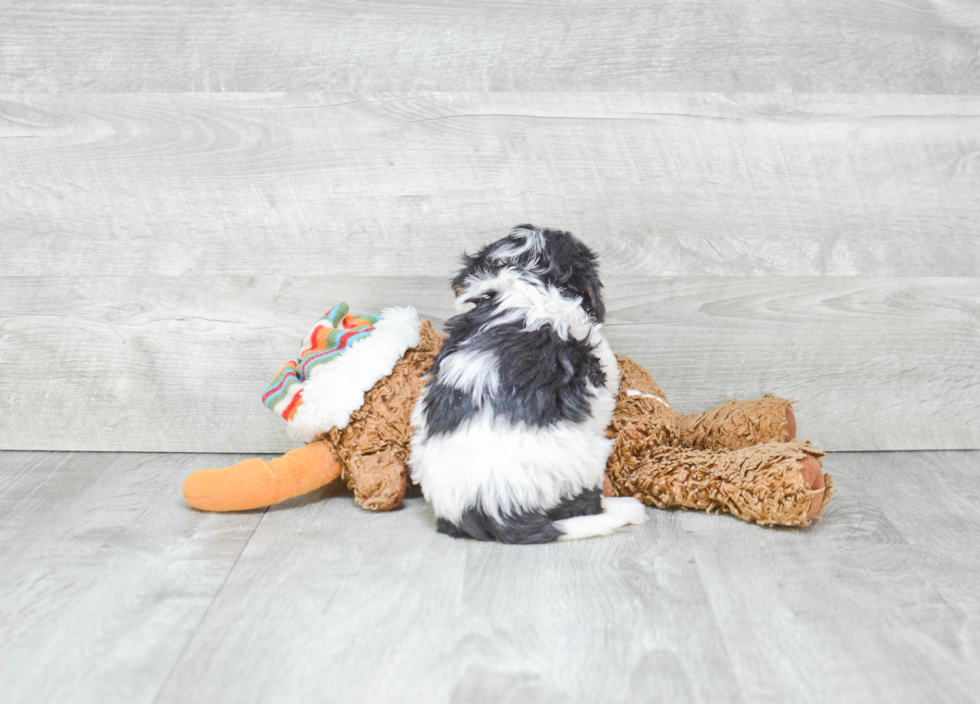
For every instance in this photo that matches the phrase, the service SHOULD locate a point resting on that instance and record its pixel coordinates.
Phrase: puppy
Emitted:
(510, 440)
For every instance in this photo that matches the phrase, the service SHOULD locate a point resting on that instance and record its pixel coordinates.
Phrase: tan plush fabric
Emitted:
(653, 458)
(373, 448)
(730, 458)
(762, 483)
(641, 422)
(736, 424)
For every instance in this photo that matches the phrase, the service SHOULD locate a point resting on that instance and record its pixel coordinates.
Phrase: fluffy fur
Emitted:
(337, 389)
(510, 440)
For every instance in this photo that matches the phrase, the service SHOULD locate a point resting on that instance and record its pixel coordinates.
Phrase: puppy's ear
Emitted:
(593, 299)
(576, 269)
(471, 263)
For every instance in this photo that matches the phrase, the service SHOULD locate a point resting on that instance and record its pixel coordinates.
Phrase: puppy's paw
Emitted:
(630, 510)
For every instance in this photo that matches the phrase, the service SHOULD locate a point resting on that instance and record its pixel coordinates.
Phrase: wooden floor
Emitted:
(112, 590)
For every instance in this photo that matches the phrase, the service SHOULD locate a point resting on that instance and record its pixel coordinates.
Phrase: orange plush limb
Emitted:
(254, 483)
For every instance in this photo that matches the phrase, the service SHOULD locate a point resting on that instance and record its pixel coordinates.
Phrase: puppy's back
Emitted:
(510, 430)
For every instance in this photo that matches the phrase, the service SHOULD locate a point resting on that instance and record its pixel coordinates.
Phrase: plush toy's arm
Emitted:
(254, 483)
(738, 424)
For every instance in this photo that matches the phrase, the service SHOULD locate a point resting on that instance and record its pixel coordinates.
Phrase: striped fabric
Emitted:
(330, 338)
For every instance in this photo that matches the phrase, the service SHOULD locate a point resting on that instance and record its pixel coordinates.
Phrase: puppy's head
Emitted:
(552, 257)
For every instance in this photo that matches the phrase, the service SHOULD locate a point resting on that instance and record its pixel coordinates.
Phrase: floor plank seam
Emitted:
(718, 622)
(204, 616)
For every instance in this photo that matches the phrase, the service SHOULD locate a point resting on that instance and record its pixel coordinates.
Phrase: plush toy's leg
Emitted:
(379, 480)
(254, 483)
(772, 483)
(738, 424)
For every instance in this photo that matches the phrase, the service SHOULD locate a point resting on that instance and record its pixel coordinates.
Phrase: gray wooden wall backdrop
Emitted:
(785, 197)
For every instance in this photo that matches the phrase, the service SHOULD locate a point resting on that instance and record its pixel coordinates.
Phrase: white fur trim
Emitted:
(335, 390)
(505, 468)
(617, 512)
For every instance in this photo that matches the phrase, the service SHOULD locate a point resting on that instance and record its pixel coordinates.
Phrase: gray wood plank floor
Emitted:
(111, 590)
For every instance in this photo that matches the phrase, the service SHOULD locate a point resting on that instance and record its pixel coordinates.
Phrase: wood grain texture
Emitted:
(179, 364)
(391, 611)
(114, 591)
(878, 606)
(105, 574)
(401, 184)
(832, 46)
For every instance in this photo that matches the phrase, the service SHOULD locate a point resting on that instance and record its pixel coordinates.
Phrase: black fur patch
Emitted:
(543, 379)
(526, 529)
(588, 503)
(522, 528)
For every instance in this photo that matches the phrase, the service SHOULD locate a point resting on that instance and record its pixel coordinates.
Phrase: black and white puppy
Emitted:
(509, 439)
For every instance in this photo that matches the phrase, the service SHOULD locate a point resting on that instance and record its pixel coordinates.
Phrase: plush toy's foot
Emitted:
(771, 484)
(254, 483)
(790, 424)
(379, 480)
(737, 424)
(813, 477)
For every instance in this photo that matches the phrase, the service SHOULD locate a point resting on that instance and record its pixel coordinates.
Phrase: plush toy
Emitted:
(740, 457)
(350, 395)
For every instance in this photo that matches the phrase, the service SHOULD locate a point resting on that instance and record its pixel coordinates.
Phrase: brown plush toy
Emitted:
(739, 457)
(369, 453)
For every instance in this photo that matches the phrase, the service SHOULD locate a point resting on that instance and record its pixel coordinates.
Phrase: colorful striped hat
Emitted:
(341, 359)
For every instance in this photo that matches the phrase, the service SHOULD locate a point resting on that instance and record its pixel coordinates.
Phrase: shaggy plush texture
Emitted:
(736, 424)
(762, 482)
(374, 447)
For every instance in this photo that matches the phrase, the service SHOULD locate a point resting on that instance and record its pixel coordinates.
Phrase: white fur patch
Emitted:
(522, 296)
(533, 242)
(335, 390)
(607, 359)
(475, 372)
(617, 511)
(503, 468)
